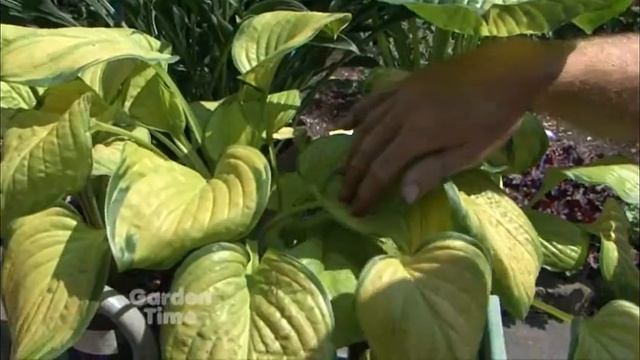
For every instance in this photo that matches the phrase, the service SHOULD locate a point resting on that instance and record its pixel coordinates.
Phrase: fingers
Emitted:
(381, 173)
(430, 171)
(363, 152)
(359, 112)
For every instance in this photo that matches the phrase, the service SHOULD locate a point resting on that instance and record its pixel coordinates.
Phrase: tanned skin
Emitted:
(452, 114)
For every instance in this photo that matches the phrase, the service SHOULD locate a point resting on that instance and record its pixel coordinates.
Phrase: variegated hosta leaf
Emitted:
(611, 334)
(277, 311)
(501, 17)
(107, 157)
(319, 164)
(53, 273)
(618, 173)
(45, 155)
(337, 255)
(16, 96)
(227, 126)
(617, 264)
(158, 210)
(274, 112)
(500, 224)
(564, 245)
(431, 304)
(262, 41)
(44, 57)
(157, 107)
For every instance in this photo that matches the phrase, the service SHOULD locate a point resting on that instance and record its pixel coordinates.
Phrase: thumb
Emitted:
(427, 173)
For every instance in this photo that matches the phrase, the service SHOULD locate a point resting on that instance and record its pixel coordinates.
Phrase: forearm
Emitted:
(598, 87)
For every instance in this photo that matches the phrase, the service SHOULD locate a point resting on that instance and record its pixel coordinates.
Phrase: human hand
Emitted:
(437, 122)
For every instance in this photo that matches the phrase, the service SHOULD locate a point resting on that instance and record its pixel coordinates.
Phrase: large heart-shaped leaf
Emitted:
(53, 273)
(337, 255)
(501, 17)
(262, 41)
(618, 173)
(564, 245)
(610, 335)
(429, 304)
(617, 264)
(158, 210)
(45, 155)
(498, 222)
(62, 54)
(277, 310)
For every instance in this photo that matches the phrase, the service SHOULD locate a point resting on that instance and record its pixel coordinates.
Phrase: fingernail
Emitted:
(410, 193)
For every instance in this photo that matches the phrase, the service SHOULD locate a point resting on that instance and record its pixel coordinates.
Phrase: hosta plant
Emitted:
(106, 167)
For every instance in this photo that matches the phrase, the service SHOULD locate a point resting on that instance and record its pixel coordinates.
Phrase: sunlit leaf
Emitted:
(227, 126)
(432, 303)
(277, 311)
(610, 335)
(157, 107)
(618, 173)
(565, 246)
(501, 17)
(496, 221)
(16, 96)
(262, 41)
(45, 156)
(158, 210)
(62, 54)
(53, 273)
(337, 256)
(617, 264)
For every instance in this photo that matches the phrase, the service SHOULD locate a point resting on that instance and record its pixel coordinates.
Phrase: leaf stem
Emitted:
(100, 126)
(290, 212)
(185, 147)
(415, 42)
(552, 310)
(439, 44)
(192, 120)
(90, 206)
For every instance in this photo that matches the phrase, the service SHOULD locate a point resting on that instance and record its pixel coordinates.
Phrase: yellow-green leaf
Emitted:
(565, 246)
(44, 57)
(618, 173)
(500, 224)
(319, 166)
(227, 126)
(430, 304)
(158, 210)
(277, 311)
(617, 265)
(501, 17)
(262, 41)
(611, 334)
(45, 156)
(16, 96)
(53, 273)
(337, 256)
(157, 107)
